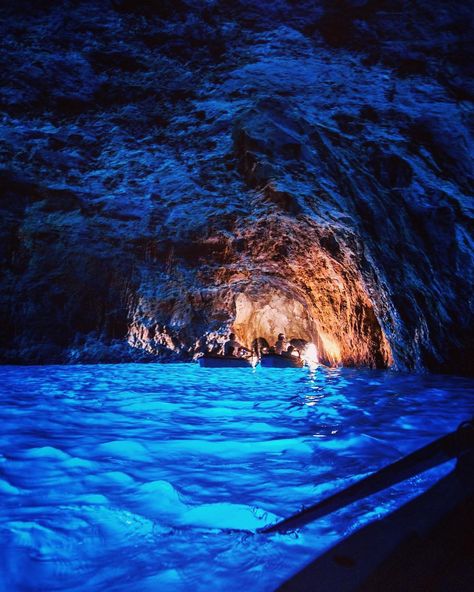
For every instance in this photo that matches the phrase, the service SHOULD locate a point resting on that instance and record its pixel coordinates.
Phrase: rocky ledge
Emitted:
(172, 169)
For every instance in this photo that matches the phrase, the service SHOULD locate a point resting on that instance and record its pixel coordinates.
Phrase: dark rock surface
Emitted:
(170, 169)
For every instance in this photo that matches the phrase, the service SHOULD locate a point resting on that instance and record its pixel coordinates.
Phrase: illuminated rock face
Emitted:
(295, 287)
(267, 167)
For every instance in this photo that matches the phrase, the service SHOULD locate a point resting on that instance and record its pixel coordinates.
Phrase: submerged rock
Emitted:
(174, 169)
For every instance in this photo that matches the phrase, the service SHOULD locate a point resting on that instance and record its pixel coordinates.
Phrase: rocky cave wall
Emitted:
(173, 169)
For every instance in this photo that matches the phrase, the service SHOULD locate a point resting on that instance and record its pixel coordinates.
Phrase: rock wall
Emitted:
(173, 169)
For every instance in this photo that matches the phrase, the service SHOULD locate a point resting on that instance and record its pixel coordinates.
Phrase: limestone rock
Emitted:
(174, 169)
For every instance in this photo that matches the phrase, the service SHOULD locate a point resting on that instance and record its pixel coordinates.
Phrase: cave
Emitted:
(353, 338)
(291, 208)
(174, 171)
(339, 320)
(311, 286)
(281, 275)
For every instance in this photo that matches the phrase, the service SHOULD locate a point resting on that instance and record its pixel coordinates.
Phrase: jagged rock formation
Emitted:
(171, 169)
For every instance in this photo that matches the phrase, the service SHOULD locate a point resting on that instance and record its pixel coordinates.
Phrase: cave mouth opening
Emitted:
(354, 338)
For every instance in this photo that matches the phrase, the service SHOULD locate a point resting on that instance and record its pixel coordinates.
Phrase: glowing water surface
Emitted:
(135, 477)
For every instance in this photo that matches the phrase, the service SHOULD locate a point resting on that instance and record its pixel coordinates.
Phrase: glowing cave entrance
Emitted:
(347, 334)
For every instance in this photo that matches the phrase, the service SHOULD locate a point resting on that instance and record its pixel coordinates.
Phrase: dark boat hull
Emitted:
(276, 361)
(426, 544)
(413, 548)
(224, 362)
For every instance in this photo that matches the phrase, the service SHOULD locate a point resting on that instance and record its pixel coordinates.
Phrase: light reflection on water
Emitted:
(135, 477)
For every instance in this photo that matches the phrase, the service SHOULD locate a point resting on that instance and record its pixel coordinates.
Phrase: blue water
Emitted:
(153, 477)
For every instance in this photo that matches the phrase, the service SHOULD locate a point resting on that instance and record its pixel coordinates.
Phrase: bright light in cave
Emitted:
(331, 349)
(310, 354)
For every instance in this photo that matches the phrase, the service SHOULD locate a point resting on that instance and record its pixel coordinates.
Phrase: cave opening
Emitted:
(304, 280)
(264, 318)
(312, 282)
(345, 333)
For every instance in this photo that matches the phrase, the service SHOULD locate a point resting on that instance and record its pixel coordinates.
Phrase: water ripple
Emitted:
(140, 477)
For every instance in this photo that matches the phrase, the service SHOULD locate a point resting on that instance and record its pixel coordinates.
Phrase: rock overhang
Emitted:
(273, 274)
